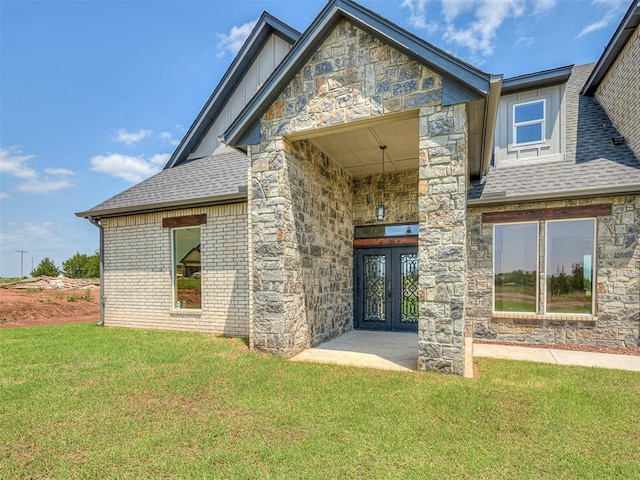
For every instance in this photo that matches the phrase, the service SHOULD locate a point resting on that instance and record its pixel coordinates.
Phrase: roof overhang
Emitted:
(567, 194)
(241, 196)
(627, 26)
(475, 83)
(536, 80)
(266, 26)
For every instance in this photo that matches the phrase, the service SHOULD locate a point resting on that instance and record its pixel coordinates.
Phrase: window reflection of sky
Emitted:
(378, 231)
(516, 247)
(568, 243)
(185, 240)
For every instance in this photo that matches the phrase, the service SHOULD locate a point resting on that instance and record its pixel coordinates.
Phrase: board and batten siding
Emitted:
(267, 60)
(506, 153)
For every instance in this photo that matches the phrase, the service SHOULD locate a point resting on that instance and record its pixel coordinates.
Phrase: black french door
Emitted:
(386, 288)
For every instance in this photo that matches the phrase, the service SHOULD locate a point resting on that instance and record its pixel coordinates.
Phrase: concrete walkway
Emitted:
(560, 357)
(398, 351)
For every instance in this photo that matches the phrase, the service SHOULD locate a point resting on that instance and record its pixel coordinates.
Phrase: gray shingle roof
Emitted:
(219, 177)
(591, 161)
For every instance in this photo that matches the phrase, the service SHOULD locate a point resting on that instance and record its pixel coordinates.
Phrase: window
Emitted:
(515, 267)
(528, 122)
(569, 266)
(568, 259)
(187, 292)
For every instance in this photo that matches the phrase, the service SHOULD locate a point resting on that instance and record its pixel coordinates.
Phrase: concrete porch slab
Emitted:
(360, 348)
(399, 351)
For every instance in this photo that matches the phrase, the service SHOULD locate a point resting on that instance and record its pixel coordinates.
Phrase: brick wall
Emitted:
(617, 319)
(137, 280)
(619, 92)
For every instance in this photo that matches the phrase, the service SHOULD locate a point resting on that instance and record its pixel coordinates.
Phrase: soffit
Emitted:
(358, 150)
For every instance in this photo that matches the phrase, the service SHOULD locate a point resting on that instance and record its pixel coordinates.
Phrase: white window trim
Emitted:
(542, 122)
(173, 271)
(493, 273)
(593, 266)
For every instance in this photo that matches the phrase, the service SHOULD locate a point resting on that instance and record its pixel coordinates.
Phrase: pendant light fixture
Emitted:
(380, 207)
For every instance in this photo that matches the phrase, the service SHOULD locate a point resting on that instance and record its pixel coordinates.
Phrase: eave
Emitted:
(627, 26)
(536, 80)
(165, 206)
(266, 26)
(242, 131)
(564, 195)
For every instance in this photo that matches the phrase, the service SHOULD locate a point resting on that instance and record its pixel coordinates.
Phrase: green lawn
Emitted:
(79, 401)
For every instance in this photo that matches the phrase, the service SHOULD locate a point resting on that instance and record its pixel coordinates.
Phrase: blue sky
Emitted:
(95, 95)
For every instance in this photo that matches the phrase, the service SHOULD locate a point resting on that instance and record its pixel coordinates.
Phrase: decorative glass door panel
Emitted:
(386, 293)
(409, 289)
(375, 288)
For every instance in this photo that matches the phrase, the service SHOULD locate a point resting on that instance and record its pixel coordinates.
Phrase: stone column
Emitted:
(442, 191)
(278, 315)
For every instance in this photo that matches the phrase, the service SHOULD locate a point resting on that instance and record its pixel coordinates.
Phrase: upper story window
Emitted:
(529, 122)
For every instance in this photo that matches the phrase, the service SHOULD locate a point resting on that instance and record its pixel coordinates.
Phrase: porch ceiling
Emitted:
(358, 151)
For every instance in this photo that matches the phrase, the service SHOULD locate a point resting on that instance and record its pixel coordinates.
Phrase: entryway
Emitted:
(360, 348)
(386, 288)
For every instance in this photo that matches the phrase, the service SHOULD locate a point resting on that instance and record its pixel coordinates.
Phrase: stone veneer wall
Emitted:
(619, 92)
(137, 278)
(442, 196)
(400, 197)
(302, 257)
(617, 272)
(351, 76)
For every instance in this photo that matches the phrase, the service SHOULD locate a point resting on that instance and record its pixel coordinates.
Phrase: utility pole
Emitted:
(31, 264)
(21, 252)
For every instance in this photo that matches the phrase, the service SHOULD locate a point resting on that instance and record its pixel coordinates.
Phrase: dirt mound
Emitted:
(52, 283)
(38, 306)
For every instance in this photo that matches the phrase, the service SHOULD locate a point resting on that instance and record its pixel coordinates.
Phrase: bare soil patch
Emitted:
(28, 307)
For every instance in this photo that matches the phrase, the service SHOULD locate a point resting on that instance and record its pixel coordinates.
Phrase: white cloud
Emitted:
(4, 195)
(62, 172)
(167, 137)
(452, 8)
(417, 12)
(524, 41)
(129, 168)
(611, 13)
(14, 163)
(129, 138)
(478, 35)
(232, 42)
(29, 233)
(46, 185)
(542, 6)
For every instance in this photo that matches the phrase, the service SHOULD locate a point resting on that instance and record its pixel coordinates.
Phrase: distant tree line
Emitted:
(517, 277)
(563, 284)
(558, 284)
(80, 265)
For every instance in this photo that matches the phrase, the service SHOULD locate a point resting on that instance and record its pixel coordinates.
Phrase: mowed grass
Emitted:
(79, 401)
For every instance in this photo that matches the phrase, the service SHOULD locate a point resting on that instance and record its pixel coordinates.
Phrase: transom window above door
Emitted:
(381, 231)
